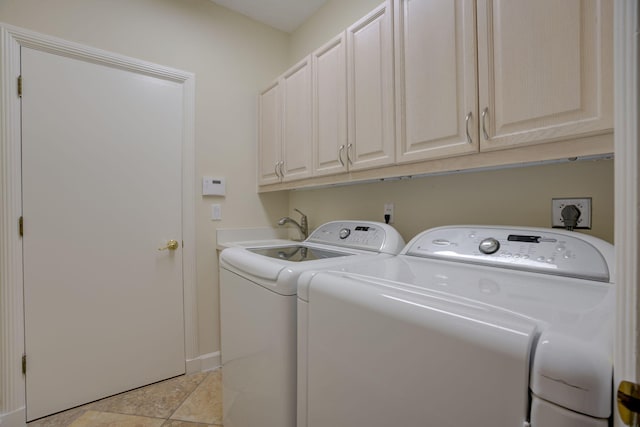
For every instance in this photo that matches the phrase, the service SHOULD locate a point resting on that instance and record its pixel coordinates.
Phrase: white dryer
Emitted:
(469, 325)
(258, 286)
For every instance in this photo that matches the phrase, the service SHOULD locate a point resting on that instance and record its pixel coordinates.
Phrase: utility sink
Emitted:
(296, 253)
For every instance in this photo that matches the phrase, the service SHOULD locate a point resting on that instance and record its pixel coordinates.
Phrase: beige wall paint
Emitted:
(519, 196)
(331, 18)
(232, 57)
(516, 196)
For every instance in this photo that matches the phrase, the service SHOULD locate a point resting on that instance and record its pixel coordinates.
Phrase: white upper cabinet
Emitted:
(420, 86)
(545, 70)
(330, 107)
(296, 121)
(370, 98)
(269, 129)
(284, 134)
(436, 79)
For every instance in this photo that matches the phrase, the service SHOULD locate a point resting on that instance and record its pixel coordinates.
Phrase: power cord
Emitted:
(570, 215)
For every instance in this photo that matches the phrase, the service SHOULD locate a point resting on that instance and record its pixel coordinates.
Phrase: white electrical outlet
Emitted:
(388, 210)
(583, 204)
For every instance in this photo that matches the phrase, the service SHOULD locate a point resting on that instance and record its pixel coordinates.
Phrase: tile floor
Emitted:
(193, 400)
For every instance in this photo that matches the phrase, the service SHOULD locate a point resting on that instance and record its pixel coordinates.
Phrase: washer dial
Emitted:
(344, 233)
(489, 246)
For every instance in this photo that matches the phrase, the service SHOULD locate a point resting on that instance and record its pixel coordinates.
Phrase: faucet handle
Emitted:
(304, 226)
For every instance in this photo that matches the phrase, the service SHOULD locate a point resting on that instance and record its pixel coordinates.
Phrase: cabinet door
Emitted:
(545, 70)
(370, 89)
(269, 146)
(296, 123)
(330, 107)
(436, 79)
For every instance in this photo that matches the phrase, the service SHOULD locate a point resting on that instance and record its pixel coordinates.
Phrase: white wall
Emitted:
(232, 57)
(512, 197)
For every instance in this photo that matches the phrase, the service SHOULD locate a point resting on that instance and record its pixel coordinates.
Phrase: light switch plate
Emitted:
(216, 212)
(582, 203)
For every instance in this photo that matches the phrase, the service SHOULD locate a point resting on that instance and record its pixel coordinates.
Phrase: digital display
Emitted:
(526, 239)
(362, 228)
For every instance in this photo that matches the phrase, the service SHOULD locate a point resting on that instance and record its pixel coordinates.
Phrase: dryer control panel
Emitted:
(533, 249)
(365, 235)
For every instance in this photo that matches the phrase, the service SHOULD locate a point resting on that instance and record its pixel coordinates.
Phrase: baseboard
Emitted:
(205, 362)
(16, 418)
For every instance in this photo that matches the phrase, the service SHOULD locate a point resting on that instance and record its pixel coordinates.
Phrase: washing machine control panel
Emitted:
(364, 235)
(538, 250)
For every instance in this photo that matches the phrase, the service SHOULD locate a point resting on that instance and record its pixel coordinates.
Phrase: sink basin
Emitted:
(296, 253)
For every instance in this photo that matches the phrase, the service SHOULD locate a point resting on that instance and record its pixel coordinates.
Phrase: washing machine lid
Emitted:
(570, 346)
(461, 362)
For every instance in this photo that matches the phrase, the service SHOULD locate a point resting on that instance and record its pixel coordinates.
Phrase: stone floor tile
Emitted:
(63, 419)
(178, 423)
(109, 419)
(158, 400)
(204, 405)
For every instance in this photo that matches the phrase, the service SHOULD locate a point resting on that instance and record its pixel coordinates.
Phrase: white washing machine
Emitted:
(258, 288)
(468, 326)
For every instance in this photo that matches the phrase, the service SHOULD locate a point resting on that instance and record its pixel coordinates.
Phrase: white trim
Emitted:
(12, 384)
(206, 362)
(627, 187)
(14, 419)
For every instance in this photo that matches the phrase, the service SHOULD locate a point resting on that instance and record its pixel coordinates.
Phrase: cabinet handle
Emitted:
(484, 124)
(281, 172)
(340, 155)
(275, 170)
(466, 122)
(349, 153)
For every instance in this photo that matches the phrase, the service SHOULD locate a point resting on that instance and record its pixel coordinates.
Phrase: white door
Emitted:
(101, 193)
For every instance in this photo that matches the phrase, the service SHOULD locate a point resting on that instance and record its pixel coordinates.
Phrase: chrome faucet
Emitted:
(303, 226)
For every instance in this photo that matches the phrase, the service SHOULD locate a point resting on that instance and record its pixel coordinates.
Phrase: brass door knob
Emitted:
(172, 245)
(629, 402)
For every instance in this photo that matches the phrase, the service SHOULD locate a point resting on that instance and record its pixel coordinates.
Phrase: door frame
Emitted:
(12, 381)
(627, 191)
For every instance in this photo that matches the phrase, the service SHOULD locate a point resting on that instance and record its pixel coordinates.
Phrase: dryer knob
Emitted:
(489, 246)
(344, 233)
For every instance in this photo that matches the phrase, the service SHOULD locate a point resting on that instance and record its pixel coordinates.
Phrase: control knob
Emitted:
(489, 246)
(344, 233)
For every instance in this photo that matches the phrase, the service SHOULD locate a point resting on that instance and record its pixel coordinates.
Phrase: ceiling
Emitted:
(285, 15)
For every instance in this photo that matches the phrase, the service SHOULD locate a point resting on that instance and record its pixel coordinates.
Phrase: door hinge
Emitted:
(19, 86)
(24, 364)
(21, 226)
